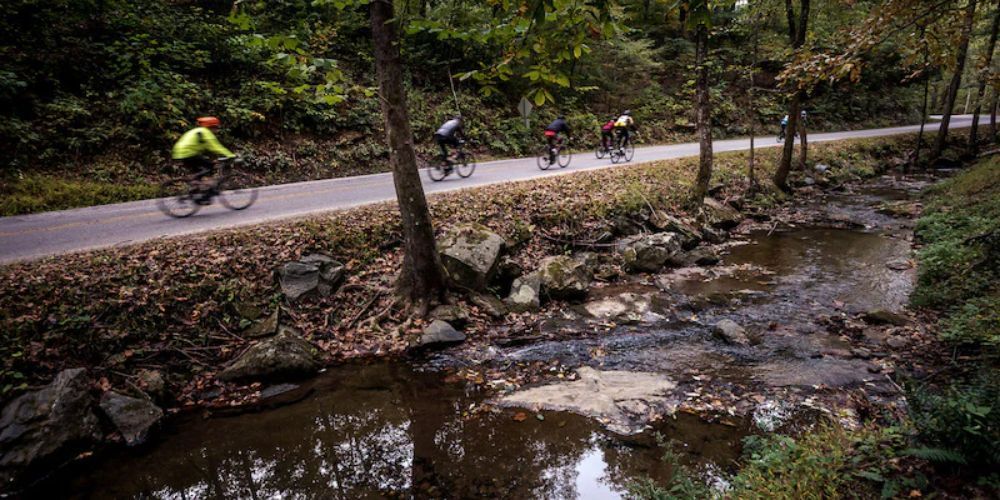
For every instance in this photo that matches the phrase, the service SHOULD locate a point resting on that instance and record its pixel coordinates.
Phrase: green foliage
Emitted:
(957, 273)
(36, 193)
(960, 420)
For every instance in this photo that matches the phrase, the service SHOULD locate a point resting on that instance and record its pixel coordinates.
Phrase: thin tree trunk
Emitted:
(421, 280)
(797, 35)
(923, 106)
(984, 75)
(993, 113)
(803, 145)
(700, 188)
(956, 80)
(752, 109)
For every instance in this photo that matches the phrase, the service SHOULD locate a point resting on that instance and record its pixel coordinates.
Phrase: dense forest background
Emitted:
(100, 89)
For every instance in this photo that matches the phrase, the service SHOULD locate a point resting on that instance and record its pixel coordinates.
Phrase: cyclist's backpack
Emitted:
(607, 127)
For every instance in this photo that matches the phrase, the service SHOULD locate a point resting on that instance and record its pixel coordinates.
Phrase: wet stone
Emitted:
(439, 333)
(899, 264)
(133, 417)
(284, 356)
(729, 331)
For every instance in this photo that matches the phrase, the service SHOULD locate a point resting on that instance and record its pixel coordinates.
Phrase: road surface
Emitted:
(26, 237)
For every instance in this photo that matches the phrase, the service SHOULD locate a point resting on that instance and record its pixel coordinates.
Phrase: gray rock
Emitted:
(731, 332)
(439, 333)
(525, 294)
(897, 341)
(624, 226)
(284, 356)
(154, 384)
(720, 215)
(861, 352)
(469, 254)
(565, 277)
(133, 417)
(452, 314)
(311, 275)
(820, 167)
(702, 256)
(690, 235)
(41, 429)
(884, 317)
(713, 235)
(489, 304)
(809, 181)
(649, 253)
(265, 327)
(899, 264)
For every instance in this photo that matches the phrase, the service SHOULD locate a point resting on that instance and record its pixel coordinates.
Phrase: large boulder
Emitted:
(438, 334)
(690, 235)
(649, 253)
(46, 427)
(285, 356)
(133, 417)
(525, 294)
(565, 277)
(720, 215)
(469, 254)
(313, 274)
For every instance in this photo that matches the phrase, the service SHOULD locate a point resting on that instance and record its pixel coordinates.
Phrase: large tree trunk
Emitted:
(956, 80)
(700, 188)
(421, 281)
(797, 35)
(984, 75)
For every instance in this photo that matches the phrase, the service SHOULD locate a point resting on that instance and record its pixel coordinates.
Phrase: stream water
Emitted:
(392, 430)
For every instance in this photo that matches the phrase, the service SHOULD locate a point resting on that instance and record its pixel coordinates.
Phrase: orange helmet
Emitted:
(208, 121)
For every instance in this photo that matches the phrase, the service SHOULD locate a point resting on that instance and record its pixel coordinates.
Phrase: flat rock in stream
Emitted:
(729, 331)
(627, 307)
(623, 401)
(133, 417)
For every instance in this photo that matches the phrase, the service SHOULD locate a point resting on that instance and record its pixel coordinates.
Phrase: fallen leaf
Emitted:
(520, 416)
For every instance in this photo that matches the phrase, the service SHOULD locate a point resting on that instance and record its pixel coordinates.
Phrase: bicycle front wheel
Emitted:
(467, 165)
(565, 155)
(629, 151)
(236, 191)
(599, 152)
(543, 159)
(177, 198)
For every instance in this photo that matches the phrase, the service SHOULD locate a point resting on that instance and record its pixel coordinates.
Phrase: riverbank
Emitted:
(184, 308)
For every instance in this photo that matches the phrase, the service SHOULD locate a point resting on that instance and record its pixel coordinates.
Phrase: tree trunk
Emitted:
(923, 106)
(700, 188)
(985, 72)
(993, 114)
(421, 280)
(752, 110)
(803, 145)
(956, 80)
(797, 36)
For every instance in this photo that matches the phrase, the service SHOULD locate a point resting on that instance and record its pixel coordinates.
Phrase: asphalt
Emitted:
(26, 237)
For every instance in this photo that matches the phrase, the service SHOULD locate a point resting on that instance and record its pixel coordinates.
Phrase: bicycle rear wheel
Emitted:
(466, 166)
(565, 155)
(600, 152)
(543, 159)
(629, 151)
(235, 191)
(177, 198)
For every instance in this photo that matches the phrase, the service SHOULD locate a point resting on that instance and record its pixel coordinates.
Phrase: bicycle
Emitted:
(603, 149)
(464, 164)
(560, 153)
(183, 196)
(624, 150)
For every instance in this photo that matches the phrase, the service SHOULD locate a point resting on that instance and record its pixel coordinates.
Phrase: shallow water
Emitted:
(387, 431)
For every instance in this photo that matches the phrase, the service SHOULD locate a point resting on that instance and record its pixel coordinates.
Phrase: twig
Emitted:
(577, 243)
(363, 310)
(775, 226)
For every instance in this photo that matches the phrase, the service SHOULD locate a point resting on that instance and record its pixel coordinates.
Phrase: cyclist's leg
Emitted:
(442, 145)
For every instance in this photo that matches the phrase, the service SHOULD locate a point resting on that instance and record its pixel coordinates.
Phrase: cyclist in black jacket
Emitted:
(559, 126)
(450, 134)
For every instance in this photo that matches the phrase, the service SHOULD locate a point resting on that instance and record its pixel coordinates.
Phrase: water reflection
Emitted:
(385, 431)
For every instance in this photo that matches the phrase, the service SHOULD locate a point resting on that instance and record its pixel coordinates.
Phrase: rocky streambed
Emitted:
(799, 314)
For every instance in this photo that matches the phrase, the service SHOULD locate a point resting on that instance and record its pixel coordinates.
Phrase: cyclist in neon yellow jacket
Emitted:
(194, 147)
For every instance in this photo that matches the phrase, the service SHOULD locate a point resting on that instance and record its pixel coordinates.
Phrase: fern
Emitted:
(937, 455)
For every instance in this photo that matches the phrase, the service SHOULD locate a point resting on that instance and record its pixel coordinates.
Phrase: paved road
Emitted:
(31, 236)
